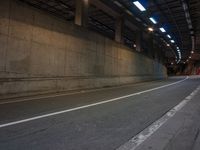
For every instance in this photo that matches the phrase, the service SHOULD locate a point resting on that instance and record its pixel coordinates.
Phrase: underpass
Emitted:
(99, 75)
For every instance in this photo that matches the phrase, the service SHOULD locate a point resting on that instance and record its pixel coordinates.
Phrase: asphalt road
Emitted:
(104, 126)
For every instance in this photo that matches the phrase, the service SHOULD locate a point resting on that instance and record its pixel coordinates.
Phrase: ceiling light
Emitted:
(128, 12)
(168, 45)
(192, 52)
(150, 29)
(153, 20)
(168, 36)
(138, 19)
(145, 24)
(172, 41)
(118, 4)
(139, 6)
(162, 30)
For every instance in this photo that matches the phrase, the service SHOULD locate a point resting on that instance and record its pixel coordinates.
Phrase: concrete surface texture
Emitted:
(41, 53)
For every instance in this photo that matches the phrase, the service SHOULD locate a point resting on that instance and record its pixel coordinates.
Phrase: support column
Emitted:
(81, 14)
(139, 41)
(119, 29)
(152, 51)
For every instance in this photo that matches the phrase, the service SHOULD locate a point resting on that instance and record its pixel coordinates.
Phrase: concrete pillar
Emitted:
(138, 41)
(119, 29)
(81, 14)
(152, 51)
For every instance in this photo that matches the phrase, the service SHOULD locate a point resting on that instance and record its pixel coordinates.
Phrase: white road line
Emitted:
(86, 106)
(137, 140)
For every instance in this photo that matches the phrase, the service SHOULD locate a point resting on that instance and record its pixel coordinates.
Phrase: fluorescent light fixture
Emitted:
(129, 12)
(153, 20)
(172, 41)
(169, 36)
(150, 29)
(145, 24)
(138, 19)
(139, 6)
(162, 30)
(64, 5)
(118, 4)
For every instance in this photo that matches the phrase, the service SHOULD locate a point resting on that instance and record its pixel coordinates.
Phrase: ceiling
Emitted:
(170, 14)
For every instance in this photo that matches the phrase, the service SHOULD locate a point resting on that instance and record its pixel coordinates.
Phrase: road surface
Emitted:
(103, 119)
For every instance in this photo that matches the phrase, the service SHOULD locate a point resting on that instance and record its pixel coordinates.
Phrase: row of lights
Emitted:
(142, 8)
(192, 52)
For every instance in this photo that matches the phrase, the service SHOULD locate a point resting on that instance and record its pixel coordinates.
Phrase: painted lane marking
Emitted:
(137, 140)
(86, 106)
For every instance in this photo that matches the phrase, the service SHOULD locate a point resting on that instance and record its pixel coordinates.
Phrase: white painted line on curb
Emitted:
(86, 106)
(137, 140)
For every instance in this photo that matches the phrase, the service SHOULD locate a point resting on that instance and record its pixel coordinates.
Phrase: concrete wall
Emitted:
(41, 53)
